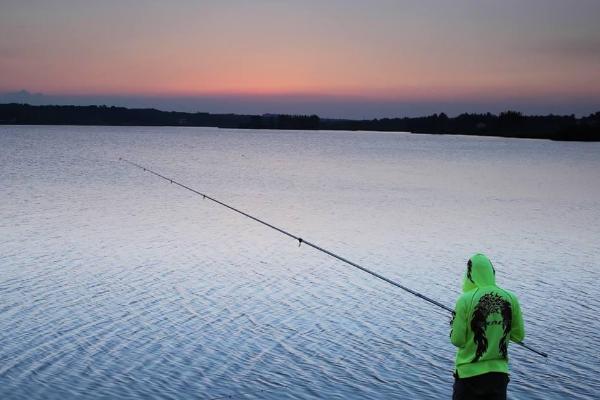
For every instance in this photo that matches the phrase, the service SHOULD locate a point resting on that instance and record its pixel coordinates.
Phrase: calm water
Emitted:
(115, 284)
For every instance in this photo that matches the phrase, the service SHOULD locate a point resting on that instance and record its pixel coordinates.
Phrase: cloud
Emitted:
(583, 48)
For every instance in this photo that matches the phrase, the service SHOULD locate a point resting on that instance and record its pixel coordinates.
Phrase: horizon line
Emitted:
(435, 114)
(329, 106)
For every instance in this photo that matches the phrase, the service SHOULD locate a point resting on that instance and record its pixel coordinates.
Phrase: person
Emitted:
(485, 319)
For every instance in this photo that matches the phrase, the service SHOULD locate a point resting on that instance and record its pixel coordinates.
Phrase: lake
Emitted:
(117, 284)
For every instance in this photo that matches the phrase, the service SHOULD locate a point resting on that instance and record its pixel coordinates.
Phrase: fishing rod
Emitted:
(314, 246)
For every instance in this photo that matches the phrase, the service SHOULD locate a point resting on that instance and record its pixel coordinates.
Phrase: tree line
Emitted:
(506, 124)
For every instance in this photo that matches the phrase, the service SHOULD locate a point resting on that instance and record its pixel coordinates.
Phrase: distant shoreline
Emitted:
(509, 124)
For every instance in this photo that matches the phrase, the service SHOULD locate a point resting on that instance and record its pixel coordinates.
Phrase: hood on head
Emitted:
(479, 273)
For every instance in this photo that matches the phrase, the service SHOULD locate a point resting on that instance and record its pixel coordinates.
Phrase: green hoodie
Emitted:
(486, 318)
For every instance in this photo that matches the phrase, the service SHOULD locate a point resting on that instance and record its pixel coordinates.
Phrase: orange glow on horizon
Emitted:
(407, 93)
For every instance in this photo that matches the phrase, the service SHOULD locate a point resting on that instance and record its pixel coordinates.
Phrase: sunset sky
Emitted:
(333, 58)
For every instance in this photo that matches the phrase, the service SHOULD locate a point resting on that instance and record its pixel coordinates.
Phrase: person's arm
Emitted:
(517, 332)
(458, 334)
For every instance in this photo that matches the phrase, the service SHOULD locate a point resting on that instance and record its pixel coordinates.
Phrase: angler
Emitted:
(486, 318)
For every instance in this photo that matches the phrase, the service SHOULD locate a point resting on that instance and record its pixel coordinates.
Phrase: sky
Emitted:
(355, 59)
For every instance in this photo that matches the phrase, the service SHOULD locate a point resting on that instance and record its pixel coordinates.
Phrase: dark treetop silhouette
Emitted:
(506, 124)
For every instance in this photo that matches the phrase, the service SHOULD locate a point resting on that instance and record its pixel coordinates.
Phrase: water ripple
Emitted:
(115, 285)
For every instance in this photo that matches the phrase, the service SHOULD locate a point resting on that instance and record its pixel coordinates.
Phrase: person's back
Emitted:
(486, 318)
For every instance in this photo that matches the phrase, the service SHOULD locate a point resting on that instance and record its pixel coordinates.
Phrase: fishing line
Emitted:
(314, 246)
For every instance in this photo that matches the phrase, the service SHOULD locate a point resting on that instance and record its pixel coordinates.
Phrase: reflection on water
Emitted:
(115, 284)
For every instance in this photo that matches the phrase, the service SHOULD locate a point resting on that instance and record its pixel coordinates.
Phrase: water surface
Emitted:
(115, 284)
